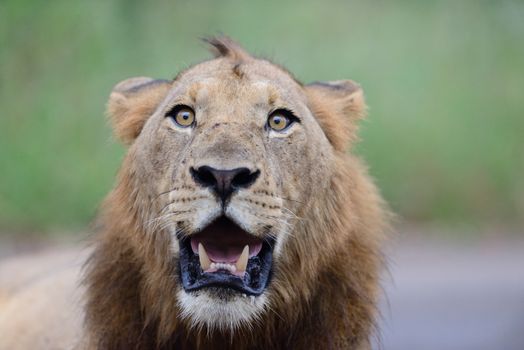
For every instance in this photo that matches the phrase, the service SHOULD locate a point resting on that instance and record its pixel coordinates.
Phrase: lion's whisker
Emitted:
(152, 225)
(166, 192)
(293, 215)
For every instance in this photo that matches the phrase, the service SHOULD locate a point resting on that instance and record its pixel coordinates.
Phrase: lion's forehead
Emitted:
(231, 92)
(257, 83)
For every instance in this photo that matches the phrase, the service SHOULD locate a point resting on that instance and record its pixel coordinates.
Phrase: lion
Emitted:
(240, 219)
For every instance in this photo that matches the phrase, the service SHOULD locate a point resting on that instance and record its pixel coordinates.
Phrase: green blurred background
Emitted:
(444, 81)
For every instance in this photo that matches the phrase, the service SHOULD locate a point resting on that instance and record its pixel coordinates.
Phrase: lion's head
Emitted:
(236, 204)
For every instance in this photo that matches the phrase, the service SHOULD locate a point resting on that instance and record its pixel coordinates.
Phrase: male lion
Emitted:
(238, 221)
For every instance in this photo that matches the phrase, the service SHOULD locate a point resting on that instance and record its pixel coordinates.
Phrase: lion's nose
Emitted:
(224, 182)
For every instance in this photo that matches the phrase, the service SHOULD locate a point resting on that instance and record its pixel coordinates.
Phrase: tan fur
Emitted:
(321, 205)
(339, 118)
(128, 113)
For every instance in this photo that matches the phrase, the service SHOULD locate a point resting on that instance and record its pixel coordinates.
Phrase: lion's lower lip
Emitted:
(259, 265)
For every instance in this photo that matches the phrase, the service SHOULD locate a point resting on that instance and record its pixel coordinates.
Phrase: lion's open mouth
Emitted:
(224, 255)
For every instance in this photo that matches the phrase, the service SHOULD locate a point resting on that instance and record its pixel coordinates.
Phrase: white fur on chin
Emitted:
(203, 311)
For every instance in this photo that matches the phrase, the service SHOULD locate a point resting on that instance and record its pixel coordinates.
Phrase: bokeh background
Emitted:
(444, 81)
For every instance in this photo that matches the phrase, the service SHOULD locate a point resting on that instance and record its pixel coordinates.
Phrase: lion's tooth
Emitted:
(242, 261)
(205, 263)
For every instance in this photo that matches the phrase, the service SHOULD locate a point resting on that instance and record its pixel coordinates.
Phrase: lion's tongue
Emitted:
(229, 254)
(225, 252)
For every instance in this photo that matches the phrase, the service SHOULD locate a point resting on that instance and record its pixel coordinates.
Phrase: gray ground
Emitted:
(464, 295)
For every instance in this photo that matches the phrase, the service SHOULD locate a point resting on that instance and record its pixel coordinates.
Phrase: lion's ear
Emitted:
(337, 106)
(132, 102)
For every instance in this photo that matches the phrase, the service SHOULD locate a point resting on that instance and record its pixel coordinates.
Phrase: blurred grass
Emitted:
(444, 81)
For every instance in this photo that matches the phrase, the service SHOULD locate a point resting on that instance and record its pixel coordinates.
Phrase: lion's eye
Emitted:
(182, 115)
(281, 119)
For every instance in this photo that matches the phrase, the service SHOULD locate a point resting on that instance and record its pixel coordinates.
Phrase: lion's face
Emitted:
(228, 157)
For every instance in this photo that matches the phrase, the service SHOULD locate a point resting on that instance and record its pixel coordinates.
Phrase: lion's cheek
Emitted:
(303, 164)
(158, 156)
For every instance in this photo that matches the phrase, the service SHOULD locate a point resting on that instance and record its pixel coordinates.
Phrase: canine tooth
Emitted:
(205, 263)
(242, 261)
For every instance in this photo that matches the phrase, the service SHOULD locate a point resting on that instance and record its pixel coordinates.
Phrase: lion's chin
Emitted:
(219, 309)
(224, 256)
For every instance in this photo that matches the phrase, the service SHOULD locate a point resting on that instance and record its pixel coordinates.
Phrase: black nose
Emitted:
(224, 182)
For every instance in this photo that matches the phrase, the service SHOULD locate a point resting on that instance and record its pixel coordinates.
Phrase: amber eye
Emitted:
(184, 116)
(281, 119)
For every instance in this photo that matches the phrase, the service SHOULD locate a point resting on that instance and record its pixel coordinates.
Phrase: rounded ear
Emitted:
(337, 106)
(131, 103)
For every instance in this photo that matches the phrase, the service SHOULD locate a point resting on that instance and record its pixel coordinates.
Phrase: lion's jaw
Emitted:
(203, 309)
(225, 297)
